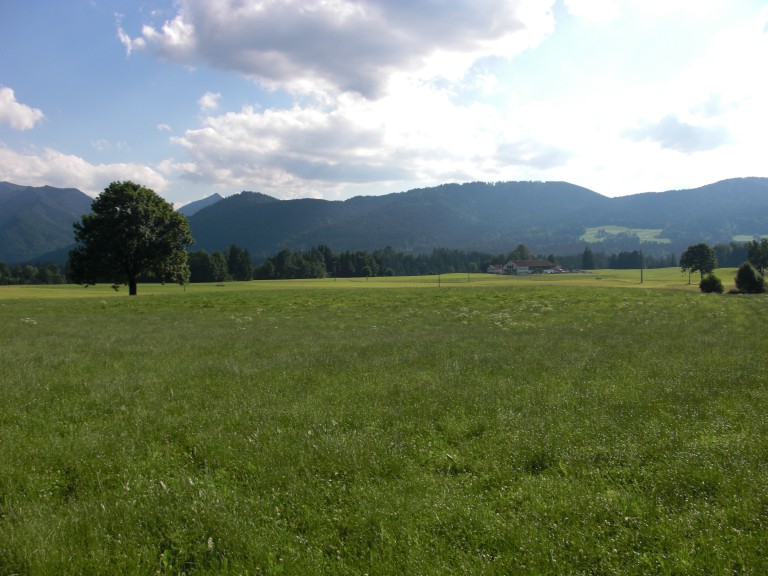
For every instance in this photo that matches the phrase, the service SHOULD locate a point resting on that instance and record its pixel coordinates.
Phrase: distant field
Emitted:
(671, 278)
(746, 238)
(556, 424)
(601, 233)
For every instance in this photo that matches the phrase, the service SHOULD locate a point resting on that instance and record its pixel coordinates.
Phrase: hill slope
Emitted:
(37, 220)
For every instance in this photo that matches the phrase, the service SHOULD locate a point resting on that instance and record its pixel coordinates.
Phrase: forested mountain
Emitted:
(549, 217)
(37, 220)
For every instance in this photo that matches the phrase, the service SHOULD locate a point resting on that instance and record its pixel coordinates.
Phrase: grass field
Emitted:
(560, 424)
(600, 233)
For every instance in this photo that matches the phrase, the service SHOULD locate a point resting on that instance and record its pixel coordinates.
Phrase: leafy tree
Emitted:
(131, 231)
(711, 284)
(757, 254)
(201, 267)
(220, 267)
(521, 252)
(698, 258)
(749, 280)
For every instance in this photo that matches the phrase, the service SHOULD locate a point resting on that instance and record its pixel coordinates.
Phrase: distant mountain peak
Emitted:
(197, 205)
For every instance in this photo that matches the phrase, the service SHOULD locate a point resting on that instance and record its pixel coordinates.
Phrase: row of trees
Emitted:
(322, 262)
(749, 277)
(234, 264)
(31, 274)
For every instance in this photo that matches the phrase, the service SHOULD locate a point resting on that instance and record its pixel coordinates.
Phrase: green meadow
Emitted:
(600, 233)
(556, 424)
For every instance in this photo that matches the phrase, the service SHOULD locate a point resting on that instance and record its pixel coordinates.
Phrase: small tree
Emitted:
(131, 231)
(588, 259)
(711, 284)
(698, 258)
(757, 254)
(748, 280)
(521, 252)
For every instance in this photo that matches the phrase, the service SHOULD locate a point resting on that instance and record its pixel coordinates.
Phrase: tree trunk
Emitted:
(132, 286)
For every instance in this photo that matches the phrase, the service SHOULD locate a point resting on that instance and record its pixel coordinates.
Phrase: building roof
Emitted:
(530, 263)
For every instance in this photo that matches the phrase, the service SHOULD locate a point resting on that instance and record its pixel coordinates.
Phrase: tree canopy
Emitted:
(749, 280)
(758, 254)
(698, 258)
(130, 232)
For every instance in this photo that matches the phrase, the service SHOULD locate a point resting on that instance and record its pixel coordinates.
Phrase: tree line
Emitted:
(322, 262)
(749, 277)
(31, 274)
(235, 263)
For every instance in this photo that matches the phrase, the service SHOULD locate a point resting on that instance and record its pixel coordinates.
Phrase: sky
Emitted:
(339, 98)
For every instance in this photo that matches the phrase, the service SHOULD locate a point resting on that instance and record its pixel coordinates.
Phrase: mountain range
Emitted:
(35, 221)
(549, 217)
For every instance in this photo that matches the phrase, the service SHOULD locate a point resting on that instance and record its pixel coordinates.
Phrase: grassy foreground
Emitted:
(535, 426)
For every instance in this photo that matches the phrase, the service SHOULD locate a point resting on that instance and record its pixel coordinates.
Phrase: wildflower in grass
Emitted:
(29, 321)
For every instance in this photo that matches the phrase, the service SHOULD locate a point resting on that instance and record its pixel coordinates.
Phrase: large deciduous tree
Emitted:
(130, 232)
(698, 258)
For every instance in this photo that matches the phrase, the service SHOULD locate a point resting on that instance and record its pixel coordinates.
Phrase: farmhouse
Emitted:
(495, 269)
(519, 267)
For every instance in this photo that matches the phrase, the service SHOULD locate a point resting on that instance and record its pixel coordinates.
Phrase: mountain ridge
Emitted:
(549, 217)
(37, 220)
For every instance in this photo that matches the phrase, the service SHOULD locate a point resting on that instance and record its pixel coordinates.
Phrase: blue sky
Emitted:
(336, 98)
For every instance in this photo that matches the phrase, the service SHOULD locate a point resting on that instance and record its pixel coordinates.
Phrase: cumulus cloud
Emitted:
(209, 101)
(343, 45)
(50, 167)
(414, 134)
(671, 133)
(18, 116)
(283, 149)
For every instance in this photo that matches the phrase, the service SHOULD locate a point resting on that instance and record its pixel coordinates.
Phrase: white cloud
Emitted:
(672, 133)
(17, 116)
(345, 45)
(413, 134)
(128, 43)
(50, 167)
(209, 101)
(164, 128)
(402, 95)
(599, 11)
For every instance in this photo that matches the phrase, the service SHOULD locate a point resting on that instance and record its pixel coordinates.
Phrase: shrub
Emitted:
(748, 280)
(711, 284)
